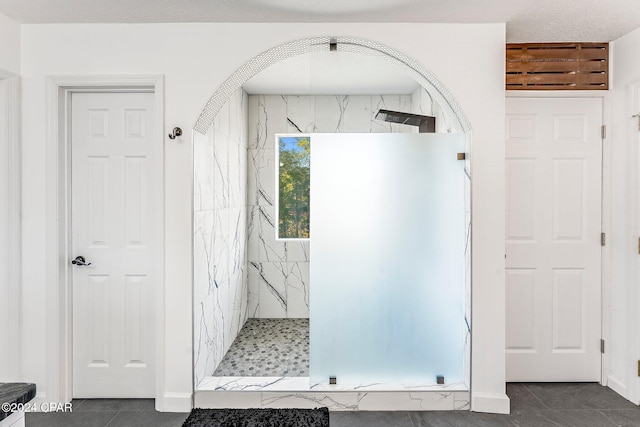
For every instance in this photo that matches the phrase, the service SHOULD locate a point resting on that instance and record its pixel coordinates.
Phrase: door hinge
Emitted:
(639, 368)
(603, 131)
(639, 245)
(602, 346)
(603, 239)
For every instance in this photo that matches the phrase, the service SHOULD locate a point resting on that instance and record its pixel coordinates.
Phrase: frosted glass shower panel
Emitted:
(387, 258)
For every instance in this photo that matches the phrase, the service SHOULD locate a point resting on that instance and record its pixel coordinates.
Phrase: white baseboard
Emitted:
(14, 420)
(41, 397)
(495, 403)
(618, 386)
(175, 402)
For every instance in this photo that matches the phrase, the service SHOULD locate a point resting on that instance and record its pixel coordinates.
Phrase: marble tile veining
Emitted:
(261, 173)
(240, 269)
(301, 115)
(203, 161)
(281, 291)
(329, 113)
(220, 274)
(269, 281)
(302, 384)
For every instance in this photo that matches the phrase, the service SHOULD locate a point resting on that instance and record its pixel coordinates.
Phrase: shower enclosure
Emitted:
(372, 293)
(367, 306)
(387, 258)
(372, 288)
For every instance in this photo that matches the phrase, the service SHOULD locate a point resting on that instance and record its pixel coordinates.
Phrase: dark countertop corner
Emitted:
(15, 393)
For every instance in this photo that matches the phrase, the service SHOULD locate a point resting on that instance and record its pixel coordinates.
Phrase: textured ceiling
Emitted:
(527, 20)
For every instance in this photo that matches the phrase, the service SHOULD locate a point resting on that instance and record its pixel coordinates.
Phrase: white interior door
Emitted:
(115, 215)
(553, 263)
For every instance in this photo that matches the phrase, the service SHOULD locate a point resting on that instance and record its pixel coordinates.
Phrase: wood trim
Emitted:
(557, 66)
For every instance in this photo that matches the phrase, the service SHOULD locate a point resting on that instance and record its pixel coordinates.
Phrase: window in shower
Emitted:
(293, 186)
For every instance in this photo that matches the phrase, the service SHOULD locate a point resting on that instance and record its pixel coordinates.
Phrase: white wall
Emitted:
(9, 44)
(196, 59)
(9, 181)
(624, 339)
(5, 300)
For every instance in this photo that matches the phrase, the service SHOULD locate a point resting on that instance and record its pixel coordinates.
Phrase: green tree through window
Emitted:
(293, 186)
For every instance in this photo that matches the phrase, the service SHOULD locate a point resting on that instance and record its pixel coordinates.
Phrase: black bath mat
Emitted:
(258, 418)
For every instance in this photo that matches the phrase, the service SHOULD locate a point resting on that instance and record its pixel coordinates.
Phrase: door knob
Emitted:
(80, 260)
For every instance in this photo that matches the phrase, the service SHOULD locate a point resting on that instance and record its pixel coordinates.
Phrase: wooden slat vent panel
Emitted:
(557, 66)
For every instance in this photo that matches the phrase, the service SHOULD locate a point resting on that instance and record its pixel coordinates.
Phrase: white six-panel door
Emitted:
(115, 211)
(553, 250)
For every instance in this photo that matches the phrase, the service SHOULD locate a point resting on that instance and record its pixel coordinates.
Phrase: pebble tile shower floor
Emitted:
(268, 348)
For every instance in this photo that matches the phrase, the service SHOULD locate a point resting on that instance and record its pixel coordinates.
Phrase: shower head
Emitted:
(426, 124)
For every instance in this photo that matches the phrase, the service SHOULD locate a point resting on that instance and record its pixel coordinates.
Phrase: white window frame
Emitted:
(276, 225)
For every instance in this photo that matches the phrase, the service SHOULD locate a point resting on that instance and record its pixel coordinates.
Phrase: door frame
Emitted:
(631, 136)
(10, 110)
(59, 277)
(605, 273)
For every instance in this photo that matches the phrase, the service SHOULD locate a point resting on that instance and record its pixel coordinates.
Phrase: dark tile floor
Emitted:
(532, 405)
(107, 412)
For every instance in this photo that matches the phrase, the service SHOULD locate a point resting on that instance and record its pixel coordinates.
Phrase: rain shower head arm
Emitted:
(426, 124)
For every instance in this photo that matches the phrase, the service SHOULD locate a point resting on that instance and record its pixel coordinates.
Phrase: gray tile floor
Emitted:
(268, 348)
(107, 412)
(532, 405)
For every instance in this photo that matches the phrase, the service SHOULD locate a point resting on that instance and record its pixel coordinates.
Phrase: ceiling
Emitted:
(332, 73)
(527, 20)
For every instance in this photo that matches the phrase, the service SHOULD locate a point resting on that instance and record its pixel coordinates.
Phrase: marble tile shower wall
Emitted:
(240, 270)
(278, 270)
(220, 235)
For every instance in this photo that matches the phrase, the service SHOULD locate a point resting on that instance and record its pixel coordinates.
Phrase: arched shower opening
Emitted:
(236, 253)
